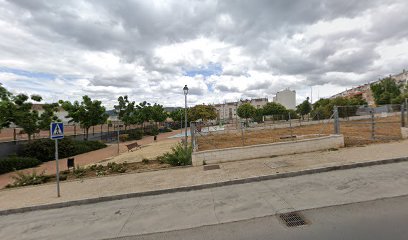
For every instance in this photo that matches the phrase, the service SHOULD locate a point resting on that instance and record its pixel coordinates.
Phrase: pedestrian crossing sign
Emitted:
(57, 130)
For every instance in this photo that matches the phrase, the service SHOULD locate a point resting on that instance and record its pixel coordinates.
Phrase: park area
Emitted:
(356, 133)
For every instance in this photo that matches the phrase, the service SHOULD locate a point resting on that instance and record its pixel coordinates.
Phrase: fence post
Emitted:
(406, 109)
(403, 115)
(74, 130)
(336, 120)
(14, 134)
(242, 135)
(193, 140)
(372, 124)
(290, 126)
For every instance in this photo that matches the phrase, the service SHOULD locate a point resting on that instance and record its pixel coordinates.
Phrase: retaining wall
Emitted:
(267, 150)
(404, 132)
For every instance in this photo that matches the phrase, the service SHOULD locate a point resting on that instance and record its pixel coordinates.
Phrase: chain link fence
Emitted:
(359, 125)
(362, 124)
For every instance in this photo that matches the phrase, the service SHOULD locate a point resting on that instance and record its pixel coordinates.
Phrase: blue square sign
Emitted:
(57, 130)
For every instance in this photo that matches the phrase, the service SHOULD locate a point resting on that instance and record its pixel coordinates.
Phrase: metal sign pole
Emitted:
(118, 140)
(56, 161)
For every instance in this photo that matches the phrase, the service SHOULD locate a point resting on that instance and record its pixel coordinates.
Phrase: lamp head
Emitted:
(185, 90)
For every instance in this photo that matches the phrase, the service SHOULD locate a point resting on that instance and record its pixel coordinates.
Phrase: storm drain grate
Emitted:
(292, 219)
(211, 167)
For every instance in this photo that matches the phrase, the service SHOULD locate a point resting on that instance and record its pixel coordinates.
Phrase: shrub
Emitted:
(79, 171)
(117, 167)
(152, 130)
(33, 178)
(178, 156)
(165, 129)
(135, 134)
(44, 149)
(13, 163)
(123, 137)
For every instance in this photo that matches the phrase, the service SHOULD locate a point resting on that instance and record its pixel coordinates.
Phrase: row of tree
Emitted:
(321, 109)
(131, 113)
(18, 109)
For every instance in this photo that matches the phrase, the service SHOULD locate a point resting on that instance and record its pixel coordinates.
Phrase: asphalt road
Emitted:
(379, 219)
(222, 205)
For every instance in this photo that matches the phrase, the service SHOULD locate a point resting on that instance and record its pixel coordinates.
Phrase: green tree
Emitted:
(385, 91)
(144, 112)
(272, 108)
(203, 112)
(88, 113)
(157, 113)
(258, 117)
(48, 115)
(323, 108)
(246, 111)
(126, 111)
(6, 107)
(304, 108)
(177, 115)
(24, 116)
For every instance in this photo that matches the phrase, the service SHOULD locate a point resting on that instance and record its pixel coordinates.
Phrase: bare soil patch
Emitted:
(357, 132)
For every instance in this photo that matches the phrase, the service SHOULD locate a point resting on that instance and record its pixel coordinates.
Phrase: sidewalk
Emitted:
(88, 158)
(190, 176)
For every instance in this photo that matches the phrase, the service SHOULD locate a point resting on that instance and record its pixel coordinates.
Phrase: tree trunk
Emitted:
(86, 133)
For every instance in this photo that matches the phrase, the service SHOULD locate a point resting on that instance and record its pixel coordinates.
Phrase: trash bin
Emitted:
(71, 163)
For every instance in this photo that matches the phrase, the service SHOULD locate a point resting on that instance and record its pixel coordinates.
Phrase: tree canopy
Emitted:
(386, 91)
(18, 110)
(88, 113)
(246, 111)
(177, 115)
(273, 108)
(304, 108)
(203, 112)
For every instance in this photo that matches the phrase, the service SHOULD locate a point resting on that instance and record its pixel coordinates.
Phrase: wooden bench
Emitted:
(131, 146)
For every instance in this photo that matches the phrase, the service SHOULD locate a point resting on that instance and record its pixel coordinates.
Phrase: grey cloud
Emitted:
(224, 88)
(132, 30)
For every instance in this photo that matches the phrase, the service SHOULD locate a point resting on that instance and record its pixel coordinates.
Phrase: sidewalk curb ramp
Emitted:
(202, 186)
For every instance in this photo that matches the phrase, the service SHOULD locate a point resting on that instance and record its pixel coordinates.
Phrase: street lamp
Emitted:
(185, 90)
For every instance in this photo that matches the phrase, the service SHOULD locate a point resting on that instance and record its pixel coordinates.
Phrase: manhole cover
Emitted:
(211, 167)
(292, 219)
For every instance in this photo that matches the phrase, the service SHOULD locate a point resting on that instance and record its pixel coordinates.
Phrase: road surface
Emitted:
(215, 206)
(379, 219)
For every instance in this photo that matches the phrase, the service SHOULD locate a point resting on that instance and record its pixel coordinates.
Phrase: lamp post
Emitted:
(185, 90)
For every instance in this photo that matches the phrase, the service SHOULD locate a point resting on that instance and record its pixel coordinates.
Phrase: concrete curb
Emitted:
(203, 186)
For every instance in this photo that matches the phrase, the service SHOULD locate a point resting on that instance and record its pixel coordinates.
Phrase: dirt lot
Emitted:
(356, 133)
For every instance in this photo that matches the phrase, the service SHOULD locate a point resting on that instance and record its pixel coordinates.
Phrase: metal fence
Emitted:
(362, 124)
(102, 132)
(358, 124)
(211, 136)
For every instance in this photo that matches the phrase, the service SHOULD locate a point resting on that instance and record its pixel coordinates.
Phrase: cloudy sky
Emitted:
(223, 50)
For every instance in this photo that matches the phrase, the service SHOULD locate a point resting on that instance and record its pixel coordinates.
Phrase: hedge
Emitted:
(13, 163)
(44, 149)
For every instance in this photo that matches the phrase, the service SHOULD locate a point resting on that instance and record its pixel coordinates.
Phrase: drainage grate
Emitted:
(293, 219)
(211, 167)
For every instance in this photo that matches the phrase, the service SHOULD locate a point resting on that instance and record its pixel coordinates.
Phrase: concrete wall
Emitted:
(267, 150)
(287, 98)
(404, 132)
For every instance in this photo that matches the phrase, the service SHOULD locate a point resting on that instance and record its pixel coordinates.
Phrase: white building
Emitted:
(287, 98)
(227, 112)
